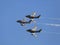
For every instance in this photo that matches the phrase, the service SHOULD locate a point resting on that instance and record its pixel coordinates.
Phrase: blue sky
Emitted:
(12, 33)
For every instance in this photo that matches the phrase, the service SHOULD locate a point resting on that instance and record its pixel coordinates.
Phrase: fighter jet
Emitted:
(34, 31)
(32, 17)
(23, 22)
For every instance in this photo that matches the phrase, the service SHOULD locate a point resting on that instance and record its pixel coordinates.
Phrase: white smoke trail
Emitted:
(51, 32)
(52, 24)
(50, 18)
(55, 18)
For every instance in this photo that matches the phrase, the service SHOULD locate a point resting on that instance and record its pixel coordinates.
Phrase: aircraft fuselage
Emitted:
(32, 17)
(32, 31)
(23, 21)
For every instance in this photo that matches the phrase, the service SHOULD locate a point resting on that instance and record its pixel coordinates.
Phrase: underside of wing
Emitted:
(22, 24)
(34, 34)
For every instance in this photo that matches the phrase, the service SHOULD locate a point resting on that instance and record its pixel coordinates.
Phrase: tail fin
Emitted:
(39, 16)
(30, 21)
(40, 30)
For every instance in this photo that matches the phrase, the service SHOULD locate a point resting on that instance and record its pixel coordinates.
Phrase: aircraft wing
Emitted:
(34, 28)
(24, 20)
(22, 24)
(33, 14)
(34, 34)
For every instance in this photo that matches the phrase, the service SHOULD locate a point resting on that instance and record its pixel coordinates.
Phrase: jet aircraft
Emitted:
(32, 17)
(23, 22)
(34, 31)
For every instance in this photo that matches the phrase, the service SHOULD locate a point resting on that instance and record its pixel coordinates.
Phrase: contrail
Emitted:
(51, 32)
(55, 18)
(52, 24)
(50, 18)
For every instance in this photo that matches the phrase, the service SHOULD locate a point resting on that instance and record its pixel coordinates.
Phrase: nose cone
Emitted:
(29, 30)
(18, 21)
(27, 15)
